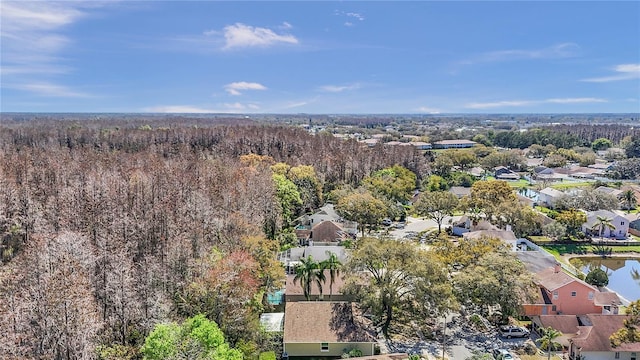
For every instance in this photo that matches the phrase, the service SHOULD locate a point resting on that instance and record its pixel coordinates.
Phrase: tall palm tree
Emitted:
(308, 272)
(333, 265)
(629, 199)
(602, 223)
(546, 340)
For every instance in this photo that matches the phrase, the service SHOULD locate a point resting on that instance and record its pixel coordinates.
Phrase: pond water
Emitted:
(624, 274)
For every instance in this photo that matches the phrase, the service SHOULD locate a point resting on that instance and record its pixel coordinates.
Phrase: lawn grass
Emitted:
(522, 183)
(570, 184)
(557, 250)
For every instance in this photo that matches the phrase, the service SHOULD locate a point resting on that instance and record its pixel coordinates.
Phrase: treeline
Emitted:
(107, 231)
(563, 136)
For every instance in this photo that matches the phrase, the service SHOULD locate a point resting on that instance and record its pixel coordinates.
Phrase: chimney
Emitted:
(557, 268)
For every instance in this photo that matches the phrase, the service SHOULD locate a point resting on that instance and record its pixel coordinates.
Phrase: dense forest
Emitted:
(110, 229)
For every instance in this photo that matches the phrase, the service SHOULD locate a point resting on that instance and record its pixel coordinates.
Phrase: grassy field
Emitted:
(522, 183)
(570, 184)
(561, 249)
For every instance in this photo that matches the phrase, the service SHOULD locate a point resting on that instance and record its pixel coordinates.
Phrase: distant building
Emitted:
(454, 144)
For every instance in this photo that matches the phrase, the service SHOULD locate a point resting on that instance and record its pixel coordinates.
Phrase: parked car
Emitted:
(386, 222)
(400, 225)
(502, 354)
(510, 331)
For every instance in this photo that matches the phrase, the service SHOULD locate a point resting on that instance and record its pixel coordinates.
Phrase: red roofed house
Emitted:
(592, 339)
(562, 294)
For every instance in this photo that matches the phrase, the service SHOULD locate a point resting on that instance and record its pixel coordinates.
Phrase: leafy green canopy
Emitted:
(195, 338)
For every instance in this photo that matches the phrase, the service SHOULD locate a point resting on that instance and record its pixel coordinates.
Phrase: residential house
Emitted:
(619, 222)
(548, 196)
(543, 173)
(601, 168)
(290, 259)
(562, 294)
(503, 173)
(566, 324)
(507, 236)
(327, 232)
(465, 224)
(294, 292)
(325, 329)
(460, 191)
(477, 172)
(635, 189)
(454, 144)
(592, 339)
(634, 223)
(611, 191)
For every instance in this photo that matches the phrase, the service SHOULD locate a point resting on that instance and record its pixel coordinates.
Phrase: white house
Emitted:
(548, 196)
(592, 226)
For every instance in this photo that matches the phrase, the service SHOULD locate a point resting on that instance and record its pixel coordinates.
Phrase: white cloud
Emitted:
(235, 87)
(518, 103)
(624, 72)
(50, 90)
(240, 107)
(33, 41)
(240, 35)
(182, 109)
(229, 108)
(575, 100)
(355, 15)
(563, 50)
(348, 24)
(339, 88)
(428, 110)
(286, 26)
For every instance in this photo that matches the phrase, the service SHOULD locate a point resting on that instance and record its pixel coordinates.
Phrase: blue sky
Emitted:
(320, 57)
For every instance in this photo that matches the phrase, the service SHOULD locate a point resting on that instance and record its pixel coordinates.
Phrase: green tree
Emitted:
(389, 278)
(436, 205)
(555, 230)
(630, 332)
(547, 340)
(632, 148)
(396, 183)
(195, 338)
(434, 183)
(308, 184)
(629, 200)
(363, 208)
(333, 265)
(488, 195)
(288, 196)
(602, 223)
(572, 219)
(495, 279)
(597, 277)
(309, 272)
(601, 144)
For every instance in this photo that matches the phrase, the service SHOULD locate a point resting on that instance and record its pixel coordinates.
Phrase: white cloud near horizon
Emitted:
(235, 88)
(339, 88)
(563, 50)
(428, 110)
(240, 35)
(623, 72)
(226, 108)
(517, 103)
(51, 90)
